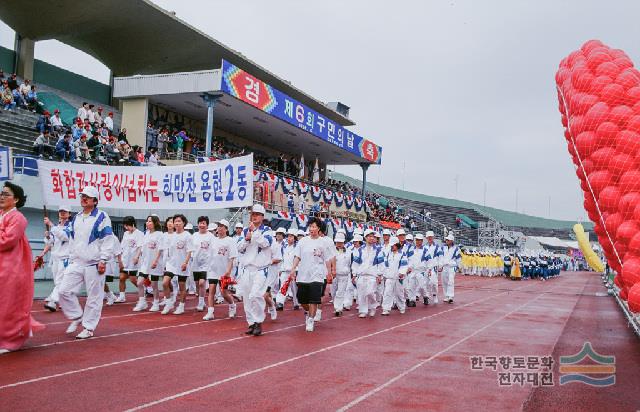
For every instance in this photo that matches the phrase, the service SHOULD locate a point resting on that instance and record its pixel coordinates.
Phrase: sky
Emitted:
(454, 91)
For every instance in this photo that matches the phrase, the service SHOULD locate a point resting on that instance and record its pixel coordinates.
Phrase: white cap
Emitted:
(212, 226)
(223, 222)
(430, 234)
(90, 191)
(419, 236)
(339, 238)
(188, 226)
(300, 232)
(292, 232)
(66, 208)
(239, 225)
(400, 232)
(258, 209)
(409, 236)
(394, 240)
(357, 238)
(450, 237)
(369, 232)
(377, 234)
(281, 230)
(386, 232)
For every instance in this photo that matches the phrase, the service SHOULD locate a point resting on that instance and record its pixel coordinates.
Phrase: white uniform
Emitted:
(131, 244)
(178, 247)
(90, 241)
(59, 241)
(417, 279)
(151, 244)
(450, 260)
(342, 280)
(368, 264)
(274, 269)
(288, 254)
(395, 265)
(222, 250)
(435, 252)
(201, 248)
(256, 258)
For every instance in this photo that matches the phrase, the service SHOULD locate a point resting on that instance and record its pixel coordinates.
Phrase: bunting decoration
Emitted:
(303, 188)
(287, 184)
(316, 192)
(348, 200)
(349, 226)
(358, 203)
(339, 198)
(285, 215)
(328, 195)
(302, 221)
(336, 223)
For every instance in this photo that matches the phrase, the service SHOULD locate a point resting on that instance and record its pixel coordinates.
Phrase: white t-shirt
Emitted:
(314, 255)
(178, 247)
(223, 250)
(151, 244)
(131, 243)
(201, 245)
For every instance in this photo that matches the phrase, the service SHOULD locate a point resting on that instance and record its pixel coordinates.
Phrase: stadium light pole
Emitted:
(211, 100)
(364, 167)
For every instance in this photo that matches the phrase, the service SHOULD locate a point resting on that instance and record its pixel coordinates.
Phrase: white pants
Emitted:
(393, 291)
(57, 269)
(448, 276)
(349, 294)
(293, 290)
(341, 282)
(254, 286)
(432, 283)
(366, 287)
(74, 276)
(419, 285)
(273, 280)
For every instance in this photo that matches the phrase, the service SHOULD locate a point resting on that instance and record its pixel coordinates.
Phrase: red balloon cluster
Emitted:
(599, 96)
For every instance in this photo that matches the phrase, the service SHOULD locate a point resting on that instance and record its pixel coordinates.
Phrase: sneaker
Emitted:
(402, 311)
(362, 315)
(111, 298)
(318, 316)
(3, 351)
(74, 325)
(209, 315)
(232, 311)
(85, 334)
(179, 310)
(50, 306)
(338, 313)
(372, 313)
(273, 313)
(167, 308)
(309, 325)
(450, 300)
(279, 307)
(385, 313)
(121, 299)
(200, 306)
(250, 330)
(425, 300)
(141, 305)
(257, 330)
(155, 307)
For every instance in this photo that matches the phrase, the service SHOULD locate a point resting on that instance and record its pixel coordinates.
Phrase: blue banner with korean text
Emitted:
(212, 185)
(251, 90)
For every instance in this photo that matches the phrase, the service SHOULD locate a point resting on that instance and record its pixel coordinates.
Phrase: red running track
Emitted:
(416, 361)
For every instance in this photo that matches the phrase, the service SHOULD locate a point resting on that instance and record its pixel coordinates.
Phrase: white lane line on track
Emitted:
(305, 355)
(432, 357)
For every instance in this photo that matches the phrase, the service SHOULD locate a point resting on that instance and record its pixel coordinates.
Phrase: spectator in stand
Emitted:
(458, 222)
(88, 131)
(98, 116)
(77, 130)
(153, 159)
(91, 116)
(18, 99)
(111, 150)
(44, 122)
(42, 145)
(133, 156)
(94, 144)
(140, 155)
(152, 136)
(82, 149)
(25, 88)
(56, 121)
(32, 99)
(122, 136)
(108, 121)
(83, 111)
(7, 98)
(13, 82)
(163, 142)
(64, 149)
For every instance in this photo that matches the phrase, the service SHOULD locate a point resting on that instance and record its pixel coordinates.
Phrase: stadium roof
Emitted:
(137, 37)
(503, 216)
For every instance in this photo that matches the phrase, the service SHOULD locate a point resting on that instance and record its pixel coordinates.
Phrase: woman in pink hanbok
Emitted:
(16, 272)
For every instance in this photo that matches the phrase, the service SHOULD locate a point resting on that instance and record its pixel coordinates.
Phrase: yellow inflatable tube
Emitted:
(590, 256)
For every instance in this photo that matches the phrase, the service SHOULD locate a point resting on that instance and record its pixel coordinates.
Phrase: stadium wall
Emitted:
(60, 79)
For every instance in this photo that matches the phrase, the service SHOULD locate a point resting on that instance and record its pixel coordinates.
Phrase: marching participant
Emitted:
(255, 248)
(274, 272)
(450, 260)
(507, 264)
(150, 259)
(386, 246)
(178, 264)
(90, 247)
(131, 245)
(313, 257)
(395, 271)
(288, 254)
(434, 252)
(350, 293)
(418, 273)
(113, 271)
(58, 244)
(200, 253)
(341, 299)
(368, 267)
(224, 253)
(169, 232)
